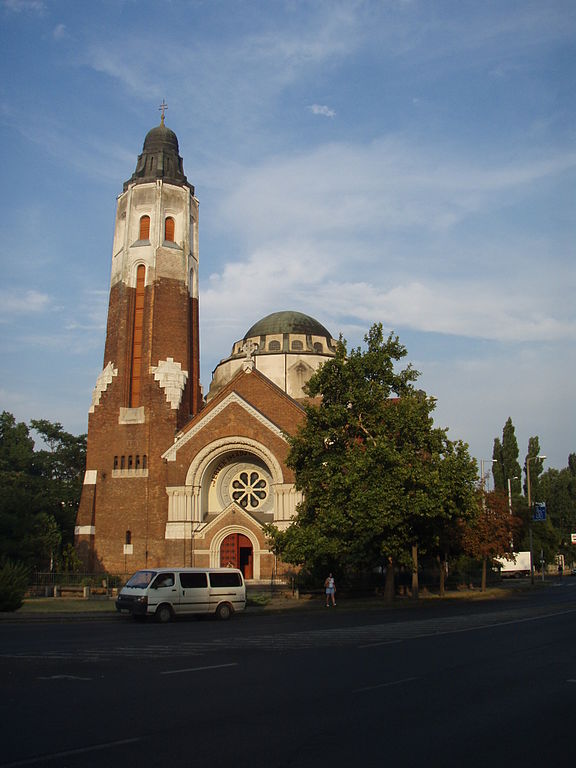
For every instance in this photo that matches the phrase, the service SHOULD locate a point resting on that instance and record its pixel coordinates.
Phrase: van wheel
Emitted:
(223, 612)
(163, 614)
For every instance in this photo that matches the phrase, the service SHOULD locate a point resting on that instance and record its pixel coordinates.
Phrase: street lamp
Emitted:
(528, 460)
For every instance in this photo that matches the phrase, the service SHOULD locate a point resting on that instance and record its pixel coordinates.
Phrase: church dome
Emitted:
(286, 347)
(161, 138)
(287, 322)
(160, 159)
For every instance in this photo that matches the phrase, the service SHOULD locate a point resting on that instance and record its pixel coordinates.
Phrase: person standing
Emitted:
(330, 587)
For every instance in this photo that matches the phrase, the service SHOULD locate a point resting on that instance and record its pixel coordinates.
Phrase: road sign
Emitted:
(539, 510)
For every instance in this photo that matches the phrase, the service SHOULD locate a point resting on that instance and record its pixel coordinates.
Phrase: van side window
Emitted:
(164, 580)
(231, 579)
(193, 580)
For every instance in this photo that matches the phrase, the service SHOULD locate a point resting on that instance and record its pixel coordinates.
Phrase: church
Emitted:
(173, 477)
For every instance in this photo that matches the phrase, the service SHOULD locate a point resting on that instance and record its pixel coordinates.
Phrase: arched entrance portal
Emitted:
(236, 551)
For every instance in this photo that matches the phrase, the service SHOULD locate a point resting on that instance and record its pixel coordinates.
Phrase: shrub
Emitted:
(13, 585)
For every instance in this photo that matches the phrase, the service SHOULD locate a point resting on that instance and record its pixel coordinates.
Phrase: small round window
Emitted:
(249, 489)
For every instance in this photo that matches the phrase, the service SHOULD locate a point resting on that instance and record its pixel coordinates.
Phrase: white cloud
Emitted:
(60, 32)
(19, 6)
(22, 303)
(320, 109)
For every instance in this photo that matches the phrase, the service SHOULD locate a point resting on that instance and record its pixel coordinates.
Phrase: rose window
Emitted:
(249, 489)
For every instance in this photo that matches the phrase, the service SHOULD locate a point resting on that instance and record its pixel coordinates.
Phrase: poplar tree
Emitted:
(506, 466)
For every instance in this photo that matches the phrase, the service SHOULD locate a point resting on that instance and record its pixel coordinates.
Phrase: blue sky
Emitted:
(405, 161)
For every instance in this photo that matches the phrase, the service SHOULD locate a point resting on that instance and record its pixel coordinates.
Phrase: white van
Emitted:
(168, 592)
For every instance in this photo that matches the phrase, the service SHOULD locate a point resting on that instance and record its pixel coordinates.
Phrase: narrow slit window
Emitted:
(137, 337)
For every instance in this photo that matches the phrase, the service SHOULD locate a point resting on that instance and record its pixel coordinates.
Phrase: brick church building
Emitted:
(172, 477)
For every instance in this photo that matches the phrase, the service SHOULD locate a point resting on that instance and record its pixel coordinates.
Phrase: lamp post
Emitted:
(528, 460)
(510, 491)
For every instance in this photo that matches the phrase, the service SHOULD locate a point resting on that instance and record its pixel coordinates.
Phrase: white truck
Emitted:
(515, 567)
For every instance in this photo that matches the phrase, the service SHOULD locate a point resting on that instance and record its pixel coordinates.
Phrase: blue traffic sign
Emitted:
(539, 510)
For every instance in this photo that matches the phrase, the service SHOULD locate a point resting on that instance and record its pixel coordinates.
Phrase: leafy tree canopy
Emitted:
(376, 475)
(40, 490)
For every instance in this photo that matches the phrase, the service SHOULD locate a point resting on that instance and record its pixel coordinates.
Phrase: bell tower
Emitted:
(149, 387)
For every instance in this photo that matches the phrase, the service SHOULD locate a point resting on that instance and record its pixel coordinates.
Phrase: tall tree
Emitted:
(536, 468)
(506, 466)
(377, 477)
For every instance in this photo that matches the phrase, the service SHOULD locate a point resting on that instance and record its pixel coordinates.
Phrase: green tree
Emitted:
(558, 489)
(61, 465)
(377, 477)
(536, 468)
(20, 486)
(506, 466)
(40, 490)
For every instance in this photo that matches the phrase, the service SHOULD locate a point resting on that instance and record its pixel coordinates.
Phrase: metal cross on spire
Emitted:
(163, 107)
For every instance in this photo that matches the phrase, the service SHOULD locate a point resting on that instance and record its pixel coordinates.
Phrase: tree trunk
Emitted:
(442, 565)
(415, 572)
(389, 583)
(484, 562)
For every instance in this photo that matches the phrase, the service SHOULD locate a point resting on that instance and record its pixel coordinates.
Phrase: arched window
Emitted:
(318, 347)
(115, 462)
(144, 462)
(130, 462)
(122, 462)
(128, 537)
(297, 346)
(169, 228)
(274, 346)
(144, 228)
(137, 461)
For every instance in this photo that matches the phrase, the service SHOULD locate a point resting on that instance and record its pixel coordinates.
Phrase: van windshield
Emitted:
(140, 579)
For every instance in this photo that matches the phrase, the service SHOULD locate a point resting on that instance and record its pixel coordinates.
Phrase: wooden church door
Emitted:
(236, 552)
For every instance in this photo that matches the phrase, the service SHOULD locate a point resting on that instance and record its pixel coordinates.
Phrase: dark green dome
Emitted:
(287, 322)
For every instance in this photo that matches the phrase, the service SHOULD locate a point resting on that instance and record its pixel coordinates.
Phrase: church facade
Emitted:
(173, 478)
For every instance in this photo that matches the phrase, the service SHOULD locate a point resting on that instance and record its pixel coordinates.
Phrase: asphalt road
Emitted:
(467, 685)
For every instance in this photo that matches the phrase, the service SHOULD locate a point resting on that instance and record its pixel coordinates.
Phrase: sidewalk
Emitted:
(61, 609)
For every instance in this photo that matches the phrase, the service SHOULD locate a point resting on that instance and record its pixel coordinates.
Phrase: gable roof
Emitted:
(235, 393)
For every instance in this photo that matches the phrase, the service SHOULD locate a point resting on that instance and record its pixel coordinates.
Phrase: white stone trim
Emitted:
(132, 415)
(102, 383)
(171, 378)
(85, 530)
(233, 397)
(90, 476)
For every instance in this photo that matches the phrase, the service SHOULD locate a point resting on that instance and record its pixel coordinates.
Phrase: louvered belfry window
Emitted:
(137, 336)
(144, 228)
(169, 229)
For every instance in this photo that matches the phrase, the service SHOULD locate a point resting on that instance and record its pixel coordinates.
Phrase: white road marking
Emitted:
(64, 677)
(198, 669)
(384, 642)
(69, 753)
(385, 685)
